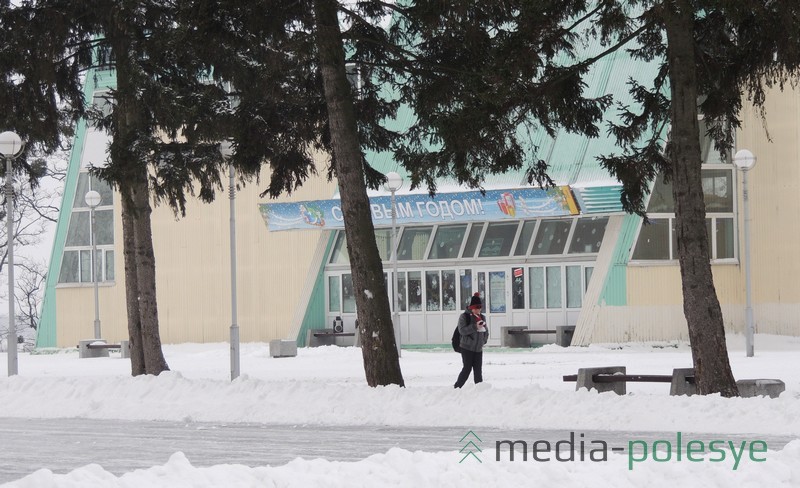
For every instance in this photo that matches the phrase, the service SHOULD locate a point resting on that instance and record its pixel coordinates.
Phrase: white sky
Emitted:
(523, 389)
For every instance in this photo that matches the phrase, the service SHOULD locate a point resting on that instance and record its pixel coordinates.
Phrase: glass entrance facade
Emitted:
(531, 273)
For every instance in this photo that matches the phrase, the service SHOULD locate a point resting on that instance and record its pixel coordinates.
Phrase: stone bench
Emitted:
(519, 336)
(98, 348)
(682, 382)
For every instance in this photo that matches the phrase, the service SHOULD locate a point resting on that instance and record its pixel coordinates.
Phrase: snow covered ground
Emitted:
(523, 390)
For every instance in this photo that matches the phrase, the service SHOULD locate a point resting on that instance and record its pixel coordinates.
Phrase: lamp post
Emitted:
(92, 199)
(226, 150)
(10, 147)
(393, 183)
(745, 161)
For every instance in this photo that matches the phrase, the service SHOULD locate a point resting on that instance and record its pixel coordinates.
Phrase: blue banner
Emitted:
(515, 204)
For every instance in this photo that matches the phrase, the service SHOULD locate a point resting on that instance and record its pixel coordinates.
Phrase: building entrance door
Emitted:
(493, 286)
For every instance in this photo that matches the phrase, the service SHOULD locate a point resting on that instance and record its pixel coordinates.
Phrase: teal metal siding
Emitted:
(615, 289)
(315, 311)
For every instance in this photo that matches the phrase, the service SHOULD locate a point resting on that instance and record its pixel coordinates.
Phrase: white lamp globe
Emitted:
(10, 144)
(393, 181)
(92, 198)
(744, 160)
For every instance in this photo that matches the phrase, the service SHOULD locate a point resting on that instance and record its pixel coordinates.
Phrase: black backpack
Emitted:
(456, 340)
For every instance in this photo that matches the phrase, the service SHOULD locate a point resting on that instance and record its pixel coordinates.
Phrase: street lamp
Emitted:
(226, 150)
(92, 199)
(393, 183)
(745, 161)
(10, 147)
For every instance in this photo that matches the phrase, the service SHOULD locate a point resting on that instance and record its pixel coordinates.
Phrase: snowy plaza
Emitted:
(311, 420)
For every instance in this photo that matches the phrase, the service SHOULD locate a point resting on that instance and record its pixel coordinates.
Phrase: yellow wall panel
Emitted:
(193, 273)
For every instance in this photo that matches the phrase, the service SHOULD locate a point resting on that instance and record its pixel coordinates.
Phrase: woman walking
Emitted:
(474, 334)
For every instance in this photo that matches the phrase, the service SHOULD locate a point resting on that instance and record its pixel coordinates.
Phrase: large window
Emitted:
(447, 241)
(551, 237)
(413, 243)
(524, 241)
(657, 240)
(76, 261)
(475, 232)
(498, 239)
(588, 235)
(383, 238)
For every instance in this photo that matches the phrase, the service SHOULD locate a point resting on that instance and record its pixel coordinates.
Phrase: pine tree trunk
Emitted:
(700, 303)
(154, 361)
(130, 123)
(131, 284)
(378, 347)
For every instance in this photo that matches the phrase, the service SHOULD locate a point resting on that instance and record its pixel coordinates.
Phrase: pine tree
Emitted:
(287, 62)
(713, 55)
(158, 94)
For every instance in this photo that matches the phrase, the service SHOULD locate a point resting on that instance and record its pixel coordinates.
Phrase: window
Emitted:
(334, 296)
(724, 236)
(339, 254)
(551, 237)
(413, 243)
(448, 290)
(574, 288)
(348, 294)
(465, 287)
(401, 288)
(654, 240)
(536, 287)
(525, 238)
(587, 276)
(498, 239)
(661, 197)
(414, 291)
(658, 240)
(553, 286)
(76, 262)
(432, 291)
(718, 190)
(588, 235)
(447, 241)
(383, 239)
(709, 154)
(78, 233)
(472, 241)
(518, 288)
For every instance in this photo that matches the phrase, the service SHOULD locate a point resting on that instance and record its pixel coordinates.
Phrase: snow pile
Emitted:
(400, 468)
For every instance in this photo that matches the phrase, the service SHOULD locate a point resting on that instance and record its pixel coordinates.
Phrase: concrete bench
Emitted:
(518, 336)
(615, 378)
(682, 382)
(98, 348)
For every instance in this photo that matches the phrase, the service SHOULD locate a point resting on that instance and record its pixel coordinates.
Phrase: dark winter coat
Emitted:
(471, 339)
